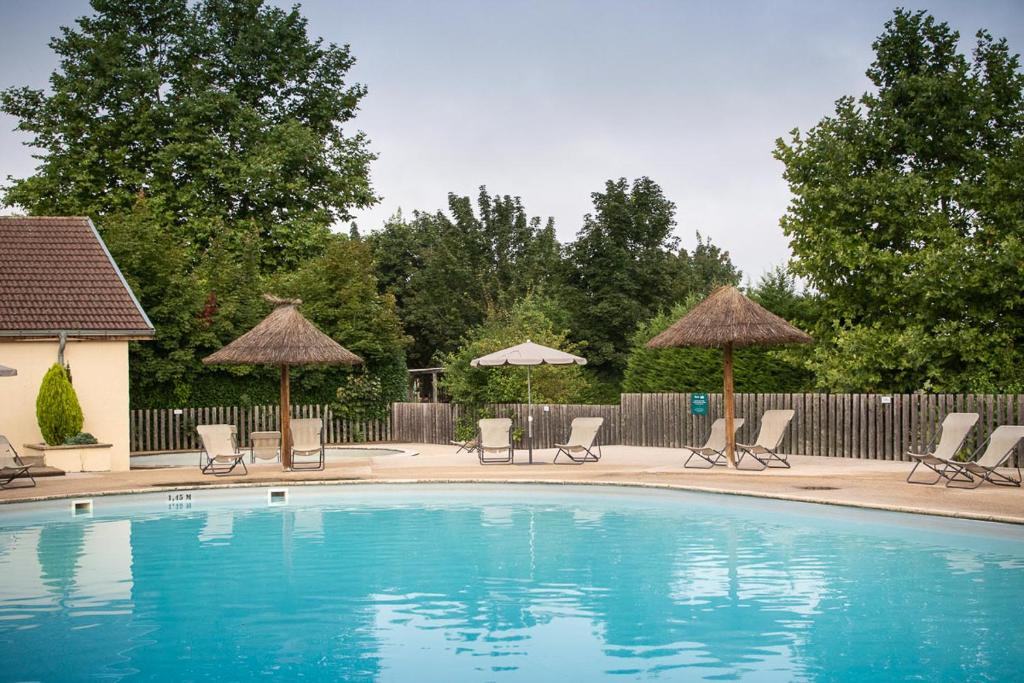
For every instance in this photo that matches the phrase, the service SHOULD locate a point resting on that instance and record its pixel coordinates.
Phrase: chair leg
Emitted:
(711, 462)
(938, 475)
(742, 454)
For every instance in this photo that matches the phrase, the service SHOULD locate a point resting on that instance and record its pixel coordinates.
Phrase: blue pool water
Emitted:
(514, 583)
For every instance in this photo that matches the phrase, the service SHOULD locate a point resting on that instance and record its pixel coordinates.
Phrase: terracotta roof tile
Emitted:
(56, 274)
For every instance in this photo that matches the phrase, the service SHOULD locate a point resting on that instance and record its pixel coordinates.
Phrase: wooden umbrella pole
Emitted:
(286, 420)
(730, 409)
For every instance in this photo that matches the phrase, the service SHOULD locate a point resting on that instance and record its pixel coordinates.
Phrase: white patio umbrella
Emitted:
(7, 372)
(528, 355)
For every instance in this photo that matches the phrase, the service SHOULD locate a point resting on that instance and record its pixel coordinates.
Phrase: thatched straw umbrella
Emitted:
(728, 320)
(284, 338)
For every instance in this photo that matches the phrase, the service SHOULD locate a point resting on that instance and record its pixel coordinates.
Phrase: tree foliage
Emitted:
(223, 112)
(448, 272)
(524, 321)
(57, 409)
(908, 217)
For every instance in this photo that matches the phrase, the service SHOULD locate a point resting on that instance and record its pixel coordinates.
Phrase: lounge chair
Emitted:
(495, 443)
(468, 445)
(265, 446)
(765, 448)
(308, 440)
(12, 466)
(970, 474)
(713, 450)
(579, 447)
(219, 455)
(955, 428)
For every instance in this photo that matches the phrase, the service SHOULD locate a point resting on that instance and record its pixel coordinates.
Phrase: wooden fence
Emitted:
(869, 426)
(166, 429)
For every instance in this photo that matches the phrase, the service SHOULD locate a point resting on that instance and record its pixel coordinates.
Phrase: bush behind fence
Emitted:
(868, 426)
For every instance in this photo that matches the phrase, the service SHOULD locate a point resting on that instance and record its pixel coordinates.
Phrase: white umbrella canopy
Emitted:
(528, 355)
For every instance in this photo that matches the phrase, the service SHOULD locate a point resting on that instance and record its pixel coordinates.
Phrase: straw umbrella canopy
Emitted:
(7, 372)
(284, 338)
(727, 320)
(528, 355)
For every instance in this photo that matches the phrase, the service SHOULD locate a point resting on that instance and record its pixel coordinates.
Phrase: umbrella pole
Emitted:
(286, 420)
(529, 414)
(730, 408)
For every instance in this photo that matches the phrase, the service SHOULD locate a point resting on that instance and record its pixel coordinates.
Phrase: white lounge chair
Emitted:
(970, 474)
(955, 428)
(265, 446)
(765, 448)
(219, 455)
(713, 450)
(12, 467)
(495, 442)
(307, 441)
(579, 447)
(468, 445)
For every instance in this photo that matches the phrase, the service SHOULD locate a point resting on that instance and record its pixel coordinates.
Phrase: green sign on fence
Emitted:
(698, 404)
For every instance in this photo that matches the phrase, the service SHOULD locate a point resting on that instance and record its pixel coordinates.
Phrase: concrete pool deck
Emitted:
(836, 481)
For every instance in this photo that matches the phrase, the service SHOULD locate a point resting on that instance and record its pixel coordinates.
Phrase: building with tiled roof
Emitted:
(63, 298)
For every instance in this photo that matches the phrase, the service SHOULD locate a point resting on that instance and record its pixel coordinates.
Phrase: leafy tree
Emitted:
(524, 321)
(702, 270)
(448, 272)
(339, 294)
(698, 369)
(221, 111)
(57, 409)
(908, 217)
(209, 141)
(622, 266)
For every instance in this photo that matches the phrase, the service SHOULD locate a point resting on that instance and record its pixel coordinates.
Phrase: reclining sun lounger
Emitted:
(308, 441)
(11, 465)
(713, 450)
(219, 455)
(765, 448)
(579, 447)
(970, 474)
(468, 445)
(955, 428)
(495, 443)
(265, 446)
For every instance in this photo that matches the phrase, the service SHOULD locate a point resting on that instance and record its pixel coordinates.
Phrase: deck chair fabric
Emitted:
(765, 448)
(265, 446)
(308, 442)
(954, 431)
(580, 446)
(713, 450)
(12, 467)
(219, 455)
(495, 441)
(998, 450)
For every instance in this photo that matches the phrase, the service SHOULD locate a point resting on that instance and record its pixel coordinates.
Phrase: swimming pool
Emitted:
(191, 458)
(504, 583)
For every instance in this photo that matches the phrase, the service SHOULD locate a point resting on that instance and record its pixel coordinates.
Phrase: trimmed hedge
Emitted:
(57, 409)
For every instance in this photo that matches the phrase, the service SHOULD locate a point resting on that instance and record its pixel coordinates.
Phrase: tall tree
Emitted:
(908, 216)
(209, 142)
(221, 112)
(622, 268)
(448, 272)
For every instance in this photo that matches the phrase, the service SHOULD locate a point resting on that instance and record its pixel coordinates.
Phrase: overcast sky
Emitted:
(547, 100)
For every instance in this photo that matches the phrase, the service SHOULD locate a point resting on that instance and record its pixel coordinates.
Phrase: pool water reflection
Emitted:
(512, 583)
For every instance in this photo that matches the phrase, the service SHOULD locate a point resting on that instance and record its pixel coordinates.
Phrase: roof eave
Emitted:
(107, 335)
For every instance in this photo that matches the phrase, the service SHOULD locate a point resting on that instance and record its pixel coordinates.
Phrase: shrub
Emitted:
(57, 409)
(79, 439)
(361, 397)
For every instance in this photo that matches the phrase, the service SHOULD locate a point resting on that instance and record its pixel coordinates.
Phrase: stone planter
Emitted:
(79, 458)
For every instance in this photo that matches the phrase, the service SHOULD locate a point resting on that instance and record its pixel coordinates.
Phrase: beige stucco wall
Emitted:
(99, 373)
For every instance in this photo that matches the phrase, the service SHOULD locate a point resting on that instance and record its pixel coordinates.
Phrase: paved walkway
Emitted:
(862, 483)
